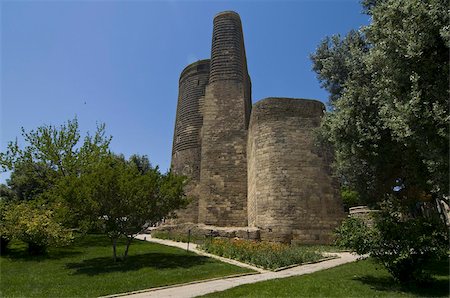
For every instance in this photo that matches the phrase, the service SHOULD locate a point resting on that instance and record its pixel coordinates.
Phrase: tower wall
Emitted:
(186, 150)
(226, 112)
(291, 194)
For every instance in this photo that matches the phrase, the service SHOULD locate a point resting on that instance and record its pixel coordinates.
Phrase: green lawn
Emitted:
(359, 279)
(86, 269)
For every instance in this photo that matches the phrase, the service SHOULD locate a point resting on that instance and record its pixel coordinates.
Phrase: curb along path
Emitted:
(216, 285)
(193, 248)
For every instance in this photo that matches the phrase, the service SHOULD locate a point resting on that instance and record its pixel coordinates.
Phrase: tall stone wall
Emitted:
(291, 194)
(227, 106)
(186, 150)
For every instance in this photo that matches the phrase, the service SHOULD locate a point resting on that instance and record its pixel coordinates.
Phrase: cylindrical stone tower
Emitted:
(291, 194)
(186, 150)
(227, 106)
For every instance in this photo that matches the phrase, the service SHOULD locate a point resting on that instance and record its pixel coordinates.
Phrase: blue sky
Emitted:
(118, 62)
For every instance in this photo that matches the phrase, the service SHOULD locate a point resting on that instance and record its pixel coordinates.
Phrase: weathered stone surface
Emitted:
(186, 150)
(252, 168)
(292, 196)
(223, 173)
(201, 230)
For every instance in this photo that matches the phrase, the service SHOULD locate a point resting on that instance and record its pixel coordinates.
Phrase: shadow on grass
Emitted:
(437, 287)
(21, 254)
(135, 262)
(18, 250)
(93, 240)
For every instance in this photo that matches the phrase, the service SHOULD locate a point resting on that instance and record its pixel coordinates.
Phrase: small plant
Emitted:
(400, 242)
(350, 198)
(36, 226)
(265, 254)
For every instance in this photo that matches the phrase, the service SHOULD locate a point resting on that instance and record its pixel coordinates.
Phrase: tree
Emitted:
(50, 154)
(125, 196)
(388, 84)
(404, 244)
(33, 210)
(389, 127)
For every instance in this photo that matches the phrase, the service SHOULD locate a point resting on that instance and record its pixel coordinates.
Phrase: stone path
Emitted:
(205, 287)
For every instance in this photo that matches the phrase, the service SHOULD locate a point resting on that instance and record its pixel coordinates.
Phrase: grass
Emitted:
(86, 269)
(360, 279)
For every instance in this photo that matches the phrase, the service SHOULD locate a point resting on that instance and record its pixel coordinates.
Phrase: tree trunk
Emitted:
(129, 239)
(114, 243)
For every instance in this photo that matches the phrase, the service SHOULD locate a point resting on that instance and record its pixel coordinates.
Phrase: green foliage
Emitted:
(350, 198)
(84, 269)
(265, 254)
(50, 153)
(5, 233)
(388, 84)
(36, 225)
(122, 197)
(84, 186)
(7, 194)
(403, 244)
(389, 127)
(354, 234)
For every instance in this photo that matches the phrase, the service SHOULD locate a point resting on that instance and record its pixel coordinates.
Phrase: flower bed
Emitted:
(264, 254)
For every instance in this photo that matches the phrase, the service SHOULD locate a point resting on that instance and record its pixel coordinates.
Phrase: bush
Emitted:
(5, 235)
(36, 226)
(350, 198)
(265, 254)
(402, 243)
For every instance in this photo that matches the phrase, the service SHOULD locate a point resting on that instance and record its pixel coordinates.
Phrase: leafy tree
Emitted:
(402, 243)
(37, 213)
(7, 194)
(50, 153)
(389, 127)
(125, 196)
(38, 226)
(388, 84)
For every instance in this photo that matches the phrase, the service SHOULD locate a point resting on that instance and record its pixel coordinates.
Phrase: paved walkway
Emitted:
(201, 288)
(193, 248)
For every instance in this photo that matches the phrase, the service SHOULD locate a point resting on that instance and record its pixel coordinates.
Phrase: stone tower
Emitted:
(226, 113)
(254, 169)
(187, 145)
(292, 196)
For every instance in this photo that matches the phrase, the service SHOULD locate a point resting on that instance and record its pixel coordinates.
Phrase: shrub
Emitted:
(265, 254)
(5, 234)
(350, 198)
(36, 226)
(402, 243)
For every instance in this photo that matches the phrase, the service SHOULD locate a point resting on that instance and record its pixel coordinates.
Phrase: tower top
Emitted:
(227, 13)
